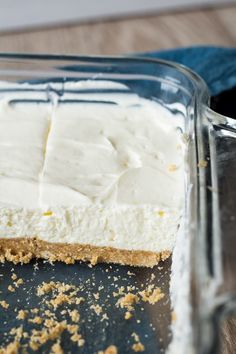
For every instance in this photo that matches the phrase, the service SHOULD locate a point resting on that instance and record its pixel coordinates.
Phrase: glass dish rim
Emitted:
(200, 84)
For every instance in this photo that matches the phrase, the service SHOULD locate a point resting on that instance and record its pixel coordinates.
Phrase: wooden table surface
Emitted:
(215, 26)
(209, 26)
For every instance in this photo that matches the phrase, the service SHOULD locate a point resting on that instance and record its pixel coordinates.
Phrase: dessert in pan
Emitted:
(92, 168)
(95, 174)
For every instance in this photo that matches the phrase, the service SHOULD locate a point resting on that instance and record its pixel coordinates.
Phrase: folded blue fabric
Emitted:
(217, 66)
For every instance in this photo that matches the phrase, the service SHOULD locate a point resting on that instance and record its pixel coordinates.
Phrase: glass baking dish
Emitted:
(194, 281)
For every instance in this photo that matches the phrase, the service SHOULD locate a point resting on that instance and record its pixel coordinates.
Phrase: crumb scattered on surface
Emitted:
(60, 299)
(128, 315)
(11, 288)
(4, 304)
(14, 276)
(22, 314)
(74, 314)
(36, 320)
(76, 337)
(127, 301)
(97, 309)
(11, 348)
(138, 347)
(151, 295)
(153, 276)
(49, 326)
(56, 348)
(104, 317)
(112, 349)
(18, 282)
(17, 332)
(121, 291)
(34, 310)
(40, 337)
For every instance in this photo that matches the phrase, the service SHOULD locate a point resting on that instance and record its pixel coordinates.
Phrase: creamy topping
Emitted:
(23, 128)
(111, 154)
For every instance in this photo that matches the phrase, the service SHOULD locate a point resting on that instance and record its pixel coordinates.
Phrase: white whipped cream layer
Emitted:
(111, 174)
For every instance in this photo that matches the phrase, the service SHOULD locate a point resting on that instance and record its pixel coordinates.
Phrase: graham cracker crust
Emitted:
(22, 250)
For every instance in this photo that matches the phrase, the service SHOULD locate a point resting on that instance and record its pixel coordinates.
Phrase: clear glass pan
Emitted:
(208, 135)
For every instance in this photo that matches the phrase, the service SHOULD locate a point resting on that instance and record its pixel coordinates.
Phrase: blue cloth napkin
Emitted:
(217, 66)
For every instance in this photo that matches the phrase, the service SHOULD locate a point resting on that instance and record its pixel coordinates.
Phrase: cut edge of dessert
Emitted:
(133, 158)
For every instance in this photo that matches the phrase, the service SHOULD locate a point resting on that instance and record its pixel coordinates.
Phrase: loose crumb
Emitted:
(54, 293)
(97, 309)
(104, 317)
(128, 315)
(151, 295)
(11, 348)
(76, 337)
(40, 337)
(17, 332)
(127, 301)
(14, 276)
(22, 314)
(57, 349)
(46, 288)
(112, 349)
(96, 296)
(18, 282)
(4, 304)
(11, 289)
(138, 347)
(121, 291)
(36, 320)
(74, 315)
(34, 310)
(60, 300)
(135, 336)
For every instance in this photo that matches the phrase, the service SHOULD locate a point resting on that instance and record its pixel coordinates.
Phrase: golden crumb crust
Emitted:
(22, 250)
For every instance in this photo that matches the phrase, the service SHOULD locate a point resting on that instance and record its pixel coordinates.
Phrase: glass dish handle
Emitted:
(222, 131)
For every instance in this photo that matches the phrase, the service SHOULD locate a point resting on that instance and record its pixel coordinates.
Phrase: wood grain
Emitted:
(212, 26)
(206, 27)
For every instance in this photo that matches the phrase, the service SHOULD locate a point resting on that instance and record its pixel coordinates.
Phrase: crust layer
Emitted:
(22, 250)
